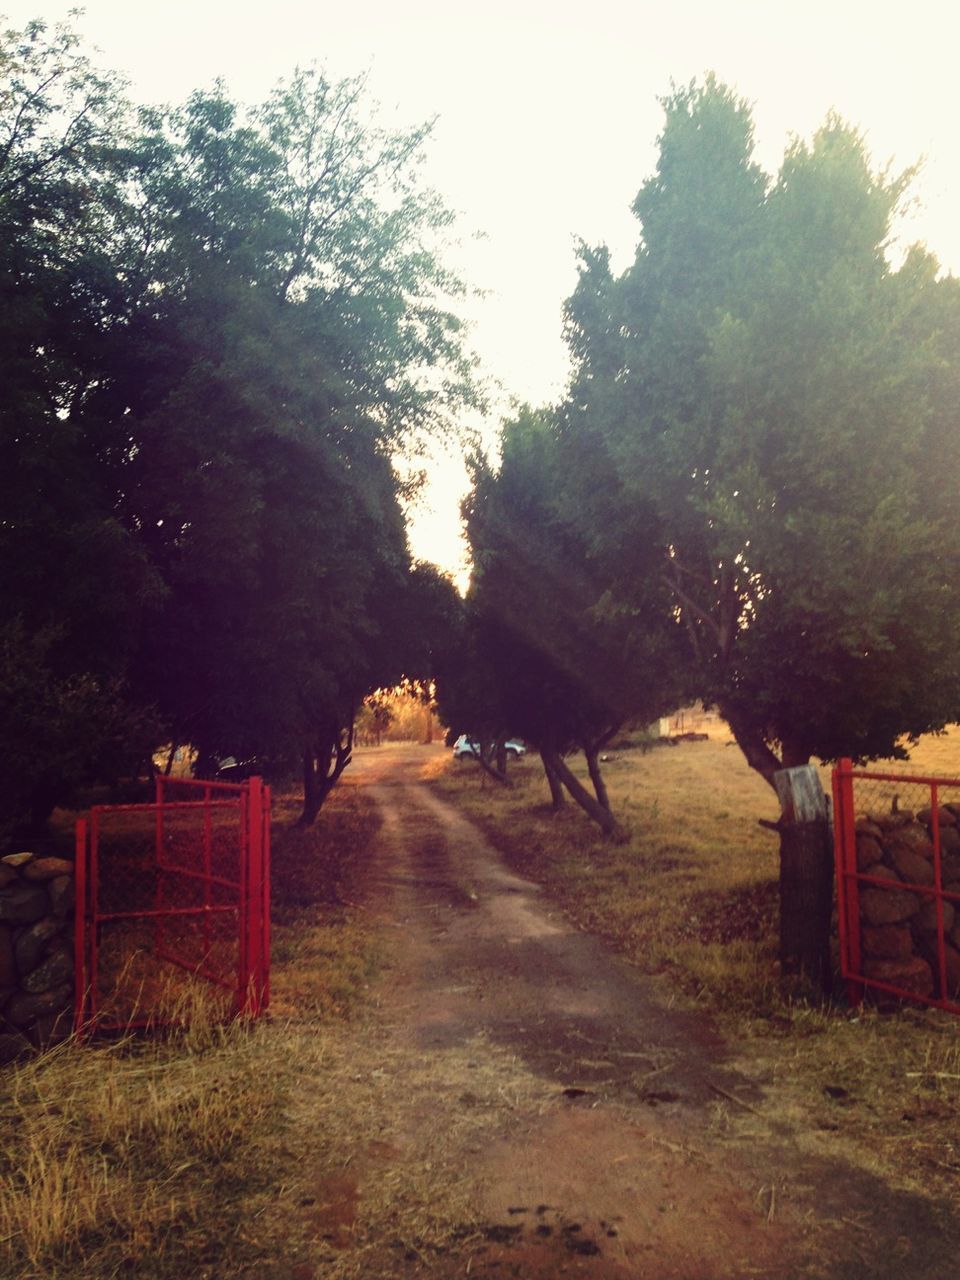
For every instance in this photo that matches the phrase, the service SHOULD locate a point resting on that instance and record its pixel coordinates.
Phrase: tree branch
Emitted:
(751, 742)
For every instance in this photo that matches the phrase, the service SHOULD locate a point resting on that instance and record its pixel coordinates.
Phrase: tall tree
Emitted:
(785, 396)
(255, 320)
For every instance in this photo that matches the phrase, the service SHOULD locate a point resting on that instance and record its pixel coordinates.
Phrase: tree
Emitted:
(73, 580)
(570, 634)
(228, 325)
(374, 718)
(310, 274)
(786, 397)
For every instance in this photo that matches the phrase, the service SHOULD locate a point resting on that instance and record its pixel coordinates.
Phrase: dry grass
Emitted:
(112, 1152)
(324, 948)
(326, 1144)
(693, 894)
(937, 753)
(142, 1156)
(694, 840)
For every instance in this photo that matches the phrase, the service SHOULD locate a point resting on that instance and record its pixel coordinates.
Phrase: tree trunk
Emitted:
(204, 765)
(806, 903)
(557, 799)
(806, 878)
(806, 858)
(596, 777)
(602, 817)
(171, 756)
(323, 763)
(311, 788)
(502, 755)
(486, 763)
(751, 742)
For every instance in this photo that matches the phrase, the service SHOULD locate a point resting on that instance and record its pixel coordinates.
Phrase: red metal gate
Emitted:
(173, 906)
(897, 842)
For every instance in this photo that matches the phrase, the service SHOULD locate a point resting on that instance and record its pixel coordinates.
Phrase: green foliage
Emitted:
(222, 326)
(59, 732)
(787, 401)
(567, 609)
(567, 632)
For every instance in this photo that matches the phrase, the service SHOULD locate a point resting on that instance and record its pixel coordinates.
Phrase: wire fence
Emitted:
(173, 906)
(897, 840)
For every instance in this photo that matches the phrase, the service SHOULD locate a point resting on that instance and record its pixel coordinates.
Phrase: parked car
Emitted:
(467, 748)
(271, 769)
(230, 769)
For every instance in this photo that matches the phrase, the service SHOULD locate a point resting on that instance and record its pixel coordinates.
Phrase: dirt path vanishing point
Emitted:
(622, 1137)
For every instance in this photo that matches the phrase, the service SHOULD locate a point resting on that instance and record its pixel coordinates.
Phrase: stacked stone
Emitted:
(900, 926)
(36, 952)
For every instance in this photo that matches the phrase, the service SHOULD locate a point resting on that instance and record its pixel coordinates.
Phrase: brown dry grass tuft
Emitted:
(325, 949)
(109, 1150)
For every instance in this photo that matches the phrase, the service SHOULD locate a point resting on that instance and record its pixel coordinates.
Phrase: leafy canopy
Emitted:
(220, 328)
(786, 398)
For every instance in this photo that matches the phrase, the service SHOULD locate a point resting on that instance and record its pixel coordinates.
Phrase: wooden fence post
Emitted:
(806, 877)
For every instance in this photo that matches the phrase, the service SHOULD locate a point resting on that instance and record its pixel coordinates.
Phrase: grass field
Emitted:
(692, 895)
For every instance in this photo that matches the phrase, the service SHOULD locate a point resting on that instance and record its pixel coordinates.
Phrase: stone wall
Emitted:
(899, 925)
(36, 952)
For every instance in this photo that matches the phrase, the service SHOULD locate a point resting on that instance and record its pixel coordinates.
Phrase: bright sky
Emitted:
(548, 120)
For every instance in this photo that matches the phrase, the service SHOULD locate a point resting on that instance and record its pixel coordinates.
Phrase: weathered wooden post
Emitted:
(806, 877)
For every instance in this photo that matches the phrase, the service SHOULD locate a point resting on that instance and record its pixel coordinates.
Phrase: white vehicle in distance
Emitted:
(467, 748)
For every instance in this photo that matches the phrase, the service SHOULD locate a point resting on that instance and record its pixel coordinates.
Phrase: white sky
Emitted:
(548, 119)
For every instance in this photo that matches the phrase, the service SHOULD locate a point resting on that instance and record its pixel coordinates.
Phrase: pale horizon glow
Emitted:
(547, 122)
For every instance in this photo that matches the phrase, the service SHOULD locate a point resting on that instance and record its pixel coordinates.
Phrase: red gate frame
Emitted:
(849, 880)
(252, 985)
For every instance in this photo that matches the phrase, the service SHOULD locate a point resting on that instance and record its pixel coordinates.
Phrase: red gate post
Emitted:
(253, 922)
(158, 896)
(94, 891)
(207, 866)
(848, 888)
(265, 901)
(80, 926)
(243, 965)
(938, 886)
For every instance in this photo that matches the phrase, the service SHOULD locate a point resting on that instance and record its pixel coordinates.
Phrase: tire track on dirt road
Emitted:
(636, 1148)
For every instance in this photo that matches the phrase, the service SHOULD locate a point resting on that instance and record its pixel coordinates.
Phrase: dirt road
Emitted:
(589, 1128)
